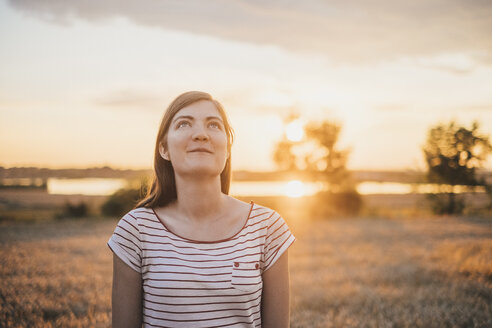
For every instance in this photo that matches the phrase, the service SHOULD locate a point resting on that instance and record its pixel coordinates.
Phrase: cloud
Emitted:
(479, 108)
(131, 99)
(458, 64)
(391, 107)
(364, 31)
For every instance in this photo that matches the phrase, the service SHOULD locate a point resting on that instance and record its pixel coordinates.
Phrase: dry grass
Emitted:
(392, 273)
(344, 273)
(56, 274)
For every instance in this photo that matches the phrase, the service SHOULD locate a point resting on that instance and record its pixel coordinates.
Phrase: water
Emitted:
(294, 188)
(85, 186)
(369, 187)
(101, 186)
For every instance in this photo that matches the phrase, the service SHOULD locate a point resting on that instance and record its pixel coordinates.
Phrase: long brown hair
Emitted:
(162, 190)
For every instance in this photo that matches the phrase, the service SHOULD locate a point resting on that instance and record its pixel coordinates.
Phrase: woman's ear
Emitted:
(164, 153)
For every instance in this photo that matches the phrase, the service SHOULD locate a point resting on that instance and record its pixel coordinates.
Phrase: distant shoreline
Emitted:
(403, 176)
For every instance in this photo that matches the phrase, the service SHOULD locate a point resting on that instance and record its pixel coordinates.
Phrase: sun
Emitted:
(295, 189)
(294, 131)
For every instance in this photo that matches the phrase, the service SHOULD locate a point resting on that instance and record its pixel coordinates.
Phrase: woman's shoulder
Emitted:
(257, 212)
(251, 206)
(138, 213)
(260, 208)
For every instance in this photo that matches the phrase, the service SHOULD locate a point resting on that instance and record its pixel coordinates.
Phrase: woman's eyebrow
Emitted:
(183, 116)
(214, 118)
(191, 118)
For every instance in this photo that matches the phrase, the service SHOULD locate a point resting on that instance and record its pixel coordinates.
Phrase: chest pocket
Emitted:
(246, 276)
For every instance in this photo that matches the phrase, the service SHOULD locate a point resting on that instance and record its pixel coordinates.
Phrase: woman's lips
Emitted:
(200, 150)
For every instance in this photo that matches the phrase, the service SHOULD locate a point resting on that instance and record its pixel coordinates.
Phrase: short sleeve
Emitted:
(278, 239)
(126, 242)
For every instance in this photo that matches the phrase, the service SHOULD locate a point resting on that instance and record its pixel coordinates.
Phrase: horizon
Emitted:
(405, 170)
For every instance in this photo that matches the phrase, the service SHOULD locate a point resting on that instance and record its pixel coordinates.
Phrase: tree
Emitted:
(284, 156)
(318, 157)
(452, 154)
(326, 160)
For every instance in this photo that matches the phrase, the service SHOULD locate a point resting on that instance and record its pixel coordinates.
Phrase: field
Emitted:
(361, 272)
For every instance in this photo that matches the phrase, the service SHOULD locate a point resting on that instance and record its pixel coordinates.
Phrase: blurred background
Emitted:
(366, 124)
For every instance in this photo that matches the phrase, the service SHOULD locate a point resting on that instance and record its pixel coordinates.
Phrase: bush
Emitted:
(75, 210)
(121, 202)
(446, 203)
(488, 190)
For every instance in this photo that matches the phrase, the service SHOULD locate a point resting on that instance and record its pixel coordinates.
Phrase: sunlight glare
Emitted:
(84, 186)
(295, 188)
(294, 131)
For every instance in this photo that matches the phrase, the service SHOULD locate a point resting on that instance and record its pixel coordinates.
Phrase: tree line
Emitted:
(452, 153)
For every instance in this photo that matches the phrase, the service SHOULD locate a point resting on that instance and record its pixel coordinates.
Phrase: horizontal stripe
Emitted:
(271, 242)
(202, 311)
(170, 236)
(274, 255)
(199, 249)
(150, 220)
(123, 256)
(128, 222)
(253, 276)
(193, 273)
(214, 326)
(189, 280)
(185, 288)
(199, 304)
(120, 227)
(200, 320)
(129, 240)
(202, 253)
(188, 266)
(205, 295)
(201, 260)
(131, 251)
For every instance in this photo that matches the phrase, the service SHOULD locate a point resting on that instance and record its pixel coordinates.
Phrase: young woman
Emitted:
(189, 255)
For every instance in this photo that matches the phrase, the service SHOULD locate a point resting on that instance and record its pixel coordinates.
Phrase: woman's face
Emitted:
(196, 141)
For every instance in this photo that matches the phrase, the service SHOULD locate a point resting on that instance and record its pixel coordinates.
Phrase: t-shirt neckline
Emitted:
(205, 241)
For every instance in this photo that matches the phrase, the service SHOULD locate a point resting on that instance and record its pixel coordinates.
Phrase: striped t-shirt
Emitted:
(189, 283)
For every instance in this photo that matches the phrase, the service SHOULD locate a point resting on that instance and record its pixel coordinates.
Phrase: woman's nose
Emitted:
(200, 133)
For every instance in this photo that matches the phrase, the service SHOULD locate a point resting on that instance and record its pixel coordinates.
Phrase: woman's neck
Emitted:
(199, 199)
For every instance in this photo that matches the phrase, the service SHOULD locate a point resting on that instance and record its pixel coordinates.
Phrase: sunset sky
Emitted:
(85, 83)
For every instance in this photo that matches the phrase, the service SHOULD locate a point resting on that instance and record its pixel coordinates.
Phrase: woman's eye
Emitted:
(182, 124)
(214, 125)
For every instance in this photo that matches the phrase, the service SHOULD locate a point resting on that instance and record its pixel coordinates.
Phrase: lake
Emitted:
(293, 188)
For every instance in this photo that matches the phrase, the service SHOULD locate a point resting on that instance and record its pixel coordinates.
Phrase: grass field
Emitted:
(427, 272)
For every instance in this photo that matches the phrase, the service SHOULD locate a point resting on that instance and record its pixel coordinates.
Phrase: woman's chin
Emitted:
(200, 171)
